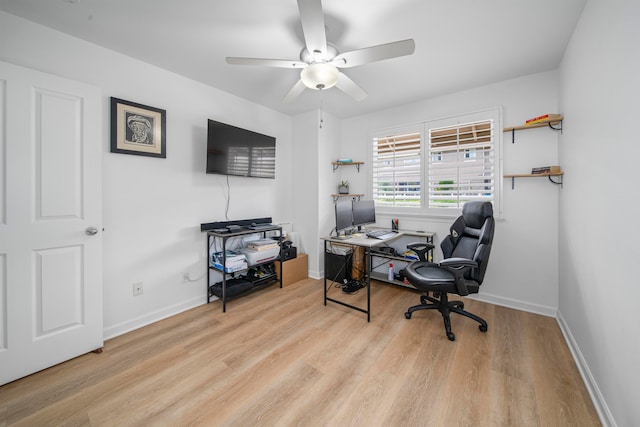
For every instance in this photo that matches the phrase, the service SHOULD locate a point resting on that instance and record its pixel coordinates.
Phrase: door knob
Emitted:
(91, 231)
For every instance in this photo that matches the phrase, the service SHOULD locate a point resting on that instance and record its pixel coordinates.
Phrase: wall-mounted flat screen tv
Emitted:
(240, 152)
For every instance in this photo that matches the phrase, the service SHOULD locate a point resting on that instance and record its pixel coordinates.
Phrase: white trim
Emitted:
(149, 318)
(543, 310)
(606, 417)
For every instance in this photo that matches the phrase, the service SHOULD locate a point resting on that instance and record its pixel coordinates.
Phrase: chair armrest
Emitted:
(420, 248)
(457, 263)
(458, 267)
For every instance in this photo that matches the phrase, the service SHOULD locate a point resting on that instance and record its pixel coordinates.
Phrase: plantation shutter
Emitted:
(396, 170)
(461, 164)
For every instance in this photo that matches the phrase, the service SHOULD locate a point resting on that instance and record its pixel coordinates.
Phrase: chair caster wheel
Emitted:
(423, 300)
(407, 315)
(451, 336)
(483, 328)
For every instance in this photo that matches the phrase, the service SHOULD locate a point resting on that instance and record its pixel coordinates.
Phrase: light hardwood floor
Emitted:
(279, 357)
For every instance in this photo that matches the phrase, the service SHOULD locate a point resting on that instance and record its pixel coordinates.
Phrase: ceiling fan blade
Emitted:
(350, 87)
(296, 90)
(312, 19)
(279, 63)
(374, 53)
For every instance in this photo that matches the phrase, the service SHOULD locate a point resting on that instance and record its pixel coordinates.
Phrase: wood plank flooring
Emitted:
(279, 357)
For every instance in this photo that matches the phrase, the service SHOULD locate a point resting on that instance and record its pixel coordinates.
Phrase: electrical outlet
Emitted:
(137, 289)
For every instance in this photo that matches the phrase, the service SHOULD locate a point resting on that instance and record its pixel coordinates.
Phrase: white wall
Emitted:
(316, 140)
(305, 182)
(523, 268)
(153, 207)
(600, 150)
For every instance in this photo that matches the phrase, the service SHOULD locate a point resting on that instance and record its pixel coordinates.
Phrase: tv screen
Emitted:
(343, 215)
(364, 212)
(241, 152)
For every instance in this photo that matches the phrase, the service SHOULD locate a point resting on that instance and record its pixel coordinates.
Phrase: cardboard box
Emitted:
(294, 270)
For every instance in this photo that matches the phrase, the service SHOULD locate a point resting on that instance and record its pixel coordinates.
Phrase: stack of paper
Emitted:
(261, 245)
(233, 262)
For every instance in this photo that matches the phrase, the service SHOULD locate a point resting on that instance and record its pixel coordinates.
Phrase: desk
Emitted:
(370, 245)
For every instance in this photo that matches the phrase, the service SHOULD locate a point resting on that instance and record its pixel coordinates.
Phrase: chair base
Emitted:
(444, 306)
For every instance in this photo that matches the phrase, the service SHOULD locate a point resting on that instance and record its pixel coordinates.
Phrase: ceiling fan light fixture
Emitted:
(319, 76)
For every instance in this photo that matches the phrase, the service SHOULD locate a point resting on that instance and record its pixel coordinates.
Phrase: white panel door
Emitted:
(50, 221)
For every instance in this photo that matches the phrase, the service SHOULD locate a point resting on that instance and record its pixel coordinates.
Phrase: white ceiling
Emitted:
(460, 44)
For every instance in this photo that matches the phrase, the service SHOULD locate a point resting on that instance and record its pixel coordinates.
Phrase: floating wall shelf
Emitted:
(535, 175)
(353, 196)
(336, 165)
(555, 124)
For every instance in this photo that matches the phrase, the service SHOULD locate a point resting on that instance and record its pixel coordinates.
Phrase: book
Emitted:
(545, 170)
(543, 118)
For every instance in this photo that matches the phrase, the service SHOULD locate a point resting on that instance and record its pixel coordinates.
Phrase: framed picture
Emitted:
(138, 129)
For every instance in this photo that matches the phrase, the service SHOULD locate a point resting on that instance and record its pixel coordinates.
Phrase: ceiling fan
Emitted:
(320, 60)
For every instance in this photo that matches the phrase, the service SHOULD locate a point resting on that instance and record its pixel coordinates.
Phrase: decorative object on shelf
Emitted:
(138, 129)
(343, 188)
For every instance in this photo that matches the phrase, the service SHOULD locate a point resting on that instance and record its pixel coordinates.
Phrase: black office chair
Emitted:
(466, 253)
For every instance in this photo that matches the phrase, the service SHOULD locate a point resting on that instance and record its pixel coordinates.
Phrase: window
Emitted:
(397, 173)
(466, 171)
(437, 166)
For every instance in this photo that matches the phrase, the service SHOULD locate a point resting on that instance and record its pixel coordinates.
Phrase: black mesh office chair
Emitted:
(466, 253)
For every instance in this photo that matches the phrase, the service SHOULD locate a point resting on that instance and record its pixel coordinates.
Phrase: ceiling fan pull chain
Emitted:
(321, 108)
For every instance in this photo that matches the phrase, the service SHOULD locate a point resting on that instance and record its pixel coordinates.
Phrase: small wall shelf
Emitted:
(535, 175)
(336, 165)
(555, 124)
(354, 196)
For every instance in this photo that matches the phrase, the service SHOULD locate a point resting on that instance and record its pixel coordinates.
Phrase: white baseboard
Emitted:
(517, 304)
(315, 275)
(606, 418)
(149, 318)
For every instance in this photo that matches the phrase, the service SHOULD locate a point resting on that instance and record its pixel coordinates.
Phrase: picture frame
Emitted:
(138, 129)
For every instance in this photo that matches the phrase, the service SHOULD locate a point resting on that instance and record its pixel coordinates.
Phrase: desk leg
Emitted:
(325, 272)
(368, 274)
(368, 259)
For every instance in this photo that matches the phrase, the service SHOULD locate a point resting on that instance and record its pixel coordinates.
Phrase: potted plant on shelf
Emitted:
(343, 188)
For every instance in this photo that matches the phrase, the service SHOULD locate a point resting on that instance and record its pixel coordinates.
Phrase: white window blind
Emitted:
(396, 170)
(462, 164)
